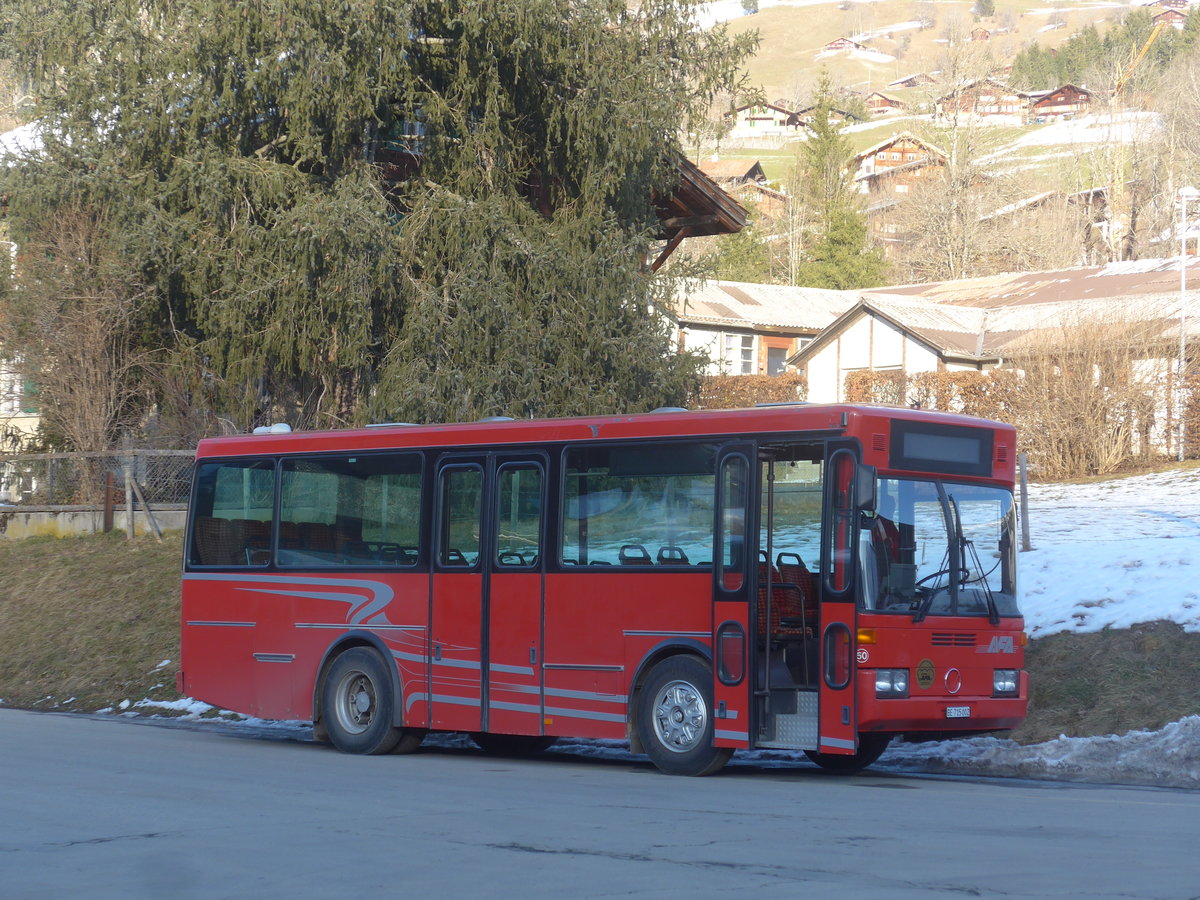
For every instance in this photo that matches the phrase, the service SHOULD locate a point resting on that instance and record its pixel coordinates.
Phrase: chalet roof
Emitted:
(845, 40)
(696, 208)
(952, 332)
(801, 310)
(918, 77)
(745, 106)
(833, 109)
(728, 169)
(979, 82)
(900, 136)
(902, 168)
(891, 97)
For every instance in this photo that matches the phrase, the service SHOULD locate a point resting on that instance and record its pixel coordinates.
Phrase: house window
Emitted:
(739, 354)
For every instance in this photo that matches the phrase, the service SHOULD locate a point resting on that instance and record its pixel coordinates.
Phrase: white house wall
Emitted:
(712, 342)
(866, 343)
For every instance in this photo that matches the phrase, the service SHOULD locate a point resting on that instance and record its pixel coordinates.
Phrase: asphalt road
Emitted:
(108, 807)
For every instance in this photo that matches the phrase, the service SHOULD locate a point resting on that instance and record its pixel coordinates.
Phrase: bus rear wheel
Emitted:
(675, 721)
(870, 748)
(357, 704)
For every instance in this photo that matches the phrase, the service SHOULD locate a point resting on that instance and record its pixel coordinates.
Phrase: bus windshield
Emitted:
(939, 548)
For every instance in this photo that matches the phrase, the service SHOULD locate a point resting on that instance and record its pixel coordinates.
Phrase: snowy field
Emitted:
(1105, 555)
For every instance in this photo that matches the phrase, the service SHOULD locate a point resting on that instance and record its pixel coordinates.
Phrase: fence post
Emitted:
(128, 499)
(1022, 462)
(110, 488)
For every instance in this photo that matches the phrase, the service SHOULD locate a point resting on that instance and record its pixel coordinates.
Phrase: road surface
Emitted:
(108, 807)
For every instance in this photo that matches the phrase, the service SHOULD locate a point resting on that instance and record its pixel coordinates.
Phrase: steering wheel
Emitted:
(963, 576)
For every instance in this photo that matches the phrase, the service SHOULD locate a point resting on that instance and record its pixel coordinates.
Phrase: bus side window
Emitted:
(519, 515)
(360, 511)
(461, 506)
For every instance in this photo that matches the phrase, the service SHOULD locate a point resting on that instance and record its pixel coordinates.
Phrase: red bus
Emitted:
(817, 578)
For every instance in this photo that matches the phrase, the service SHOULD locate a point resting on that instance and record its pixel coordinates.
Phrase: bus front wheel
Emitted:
(357, 704)
(675, 718)
(870, 748)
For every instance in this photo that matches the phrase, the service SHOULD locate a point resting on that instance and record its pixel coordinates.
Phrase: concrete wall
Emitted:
(17, 523)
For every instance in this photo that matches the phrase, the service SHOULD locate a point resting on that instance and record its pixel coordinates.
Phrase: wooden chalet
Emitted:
(886, 172)
(1176, 18)
(763, 120)
(843, 44)
(1064, 102)
(899, 151)
(880, 104)
(985, 97)
(980, 34)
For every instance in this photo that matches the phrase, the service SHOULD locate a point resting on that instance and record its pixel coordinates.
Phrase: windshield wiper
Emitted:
(965, 547)
(927, 601)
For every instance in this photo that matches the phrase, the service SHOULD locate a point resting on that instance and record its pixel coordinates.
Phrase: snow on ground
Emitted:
(1117, 128)
(1104, 555)
(710, 14)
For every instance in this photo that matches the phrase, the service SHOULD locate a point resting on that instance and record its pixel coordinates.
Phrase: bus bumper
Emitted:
(938, 714)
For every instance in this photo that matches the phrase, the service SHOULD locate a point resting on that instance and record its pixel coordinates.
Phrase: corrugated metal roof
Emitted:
(733, 303)
(1132, 279)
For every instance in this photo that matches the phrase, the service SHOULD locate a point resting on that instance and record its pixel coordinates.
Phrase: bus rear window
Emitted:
(232, 509)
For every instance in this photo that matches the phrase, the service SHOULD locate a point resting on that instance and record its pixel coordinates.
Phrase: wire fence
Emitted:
(80, 479)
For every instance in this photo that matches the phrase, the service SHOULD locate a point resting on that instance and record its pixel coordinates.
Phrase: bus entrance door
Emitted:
(456, 637)
(838, 634)
(733, 586)
(514, 596)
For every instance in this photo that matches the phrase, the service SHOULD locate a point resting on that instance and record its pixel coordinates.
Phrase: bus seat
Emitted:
(672, 556)
(793, 571)
(215, 542)
(634, 555)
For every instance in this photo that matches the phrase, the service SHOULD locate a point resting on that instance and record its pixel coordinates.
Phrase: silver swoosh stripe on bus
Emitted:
(559, 692)
(361, 608)
(375, 626)
(514, 707)
(837, 742)
(222, 624)
(582, 667)
(695, 634)
(582, 714)
(732, 735)
(275, 657)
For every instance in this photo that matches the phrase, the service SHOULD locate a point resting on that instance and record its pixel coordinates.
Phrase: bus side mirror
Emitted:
(864, 488)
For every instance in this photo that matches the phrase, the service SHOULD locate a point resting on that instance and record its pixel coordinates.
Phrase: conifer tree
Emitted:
(835, 253)
(423, 210)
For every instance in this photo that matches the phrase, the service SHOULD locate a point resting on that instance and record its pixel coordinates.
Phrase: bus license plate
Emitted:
(958, 712)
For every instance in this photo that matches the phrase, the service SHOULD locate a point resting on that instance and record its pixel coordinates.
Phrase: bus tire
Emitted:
(675, 718)
(357, 702)
(870, 748)
(515, 745)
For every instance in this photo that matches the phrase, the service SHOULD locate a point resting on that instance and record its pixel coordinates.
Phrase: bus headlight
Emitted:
(1006, 682)
(891, 683)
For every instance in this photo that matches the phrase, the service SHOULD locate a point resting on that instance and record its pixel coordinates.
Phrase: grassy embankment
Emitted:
(85, 623)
